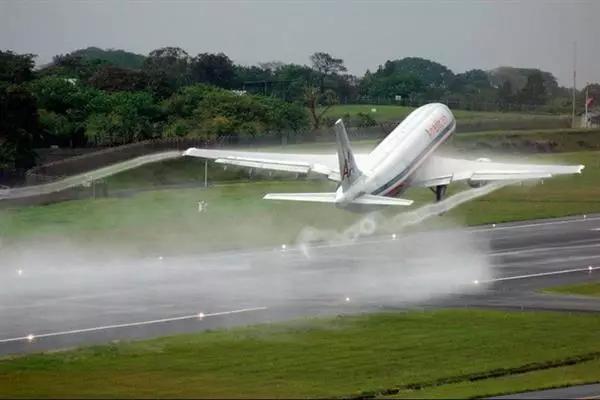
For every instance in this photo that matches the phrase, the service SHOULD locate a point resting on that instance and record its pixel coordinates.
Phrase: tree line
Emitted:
(108, 97)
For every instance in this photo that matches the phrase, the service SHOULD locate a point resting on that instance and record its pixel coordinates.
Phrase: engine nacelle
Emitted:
(478, 184)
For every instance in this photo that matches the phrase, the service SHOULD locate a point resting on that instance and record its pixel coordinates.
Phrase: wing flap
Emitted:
(329, 197)
(321, 164)
(263, 164)
(442, 170)
(508, 175)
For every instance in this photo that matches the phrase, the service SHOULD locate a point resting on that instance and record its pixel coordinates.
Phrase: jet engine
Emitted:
(478, 184)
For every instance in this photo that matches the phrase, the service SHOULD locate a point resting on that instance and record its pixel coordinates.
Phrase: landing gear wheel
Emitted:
(440, 192)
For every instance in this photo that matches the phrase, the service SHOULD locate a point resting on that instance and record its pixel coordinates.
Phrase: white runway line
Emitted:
(564, 271)
(543, 249)
(198, 316)
(536, 224)
(473, 230)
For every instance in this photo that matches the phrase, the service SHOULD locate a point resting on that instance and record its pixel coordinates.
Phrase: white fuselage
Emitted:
(390, 165)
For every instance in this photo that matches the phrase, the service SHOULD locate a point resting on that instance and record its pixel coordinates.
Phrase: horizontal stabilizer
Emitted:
(329, 197)
(381, 200)
(323, 197)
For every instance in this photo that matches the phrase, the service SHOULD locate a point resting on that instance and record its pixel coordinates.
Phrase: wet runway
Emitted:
(64, 304)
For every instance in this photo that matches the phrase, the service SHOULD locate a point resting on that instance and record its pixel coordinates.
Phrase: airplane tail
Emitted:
(349, 171)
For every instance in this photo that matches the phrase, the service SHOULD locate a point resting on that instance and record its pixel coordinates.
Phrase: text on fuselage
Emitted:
(437, 126)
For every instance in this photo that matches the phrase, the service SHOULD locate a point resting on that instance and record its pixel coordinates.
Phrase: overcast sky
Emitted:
(460, 34)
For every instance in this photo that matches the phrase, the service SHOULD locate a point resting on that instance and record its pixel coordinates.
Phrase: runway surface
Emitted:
(502, 266)
(572, 392)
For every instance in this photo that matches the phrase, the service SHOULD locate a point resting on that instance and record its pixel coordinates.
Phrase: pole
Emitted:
(586, 106)
(205, 173)
(574, 82)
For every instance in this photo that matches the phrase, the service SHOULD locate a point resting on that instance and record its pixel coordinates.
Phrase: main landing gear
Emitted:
(440, 191)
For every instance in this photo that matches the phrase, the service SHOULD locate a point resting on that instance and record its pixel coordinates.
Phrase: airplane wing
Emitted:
(322, 164)
(439, 170)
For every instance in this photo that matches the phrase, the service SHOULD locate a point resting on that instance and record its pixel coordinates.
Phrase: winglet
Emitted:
(349, 171)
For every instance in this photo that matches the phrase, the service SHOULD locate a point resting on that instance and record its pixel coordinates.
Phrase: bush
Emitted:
(365, 120)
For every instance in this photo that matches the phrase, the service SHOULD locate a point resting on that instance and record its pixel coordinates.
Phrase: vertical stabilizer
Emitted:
(349, 171)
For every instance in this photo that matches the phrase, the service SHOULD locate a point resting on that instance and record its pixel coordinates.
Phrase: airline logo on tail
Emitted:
(349, 172)
(346, 172)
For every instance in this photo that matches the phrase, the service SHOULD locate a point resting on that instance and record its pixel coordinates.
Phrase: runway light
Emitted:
(493, 225)
(283, 247)
(200, 315)
(476, 282)
(584, 216)
(20, 272)
(347, 299)
(160, 258)
(590, 268)
(30, 337)
(393, 236)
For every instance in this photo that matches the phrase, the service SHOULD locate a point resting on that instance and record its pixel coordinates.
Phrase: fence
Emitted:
(90, 161)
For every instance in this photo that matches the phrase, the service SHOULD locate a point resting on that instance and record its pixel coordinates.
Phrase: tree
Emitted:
(325, 65)
(19, 129)
(252, 78)
(214, 69)
(518, 79)
(292, 80)
(171, 62)
(432, 74)
(409, 77)
(115, 57)
(471, 81)
(72, 67)
(505, 95)
(16, 68)
(18, 126)
(115, 79)
(127, 117)
(315, 100)
(286, 117)
(56, 128)
(534, 91)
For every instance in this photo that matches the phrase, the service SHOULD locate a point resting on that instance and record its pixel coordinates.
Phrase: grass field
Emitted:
(167, 220)
(343, 356)
(583, 289)
(392, 112)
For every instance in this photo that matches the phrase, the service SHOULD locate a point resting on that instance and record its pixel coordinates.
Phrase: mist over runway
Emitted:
(120, 299)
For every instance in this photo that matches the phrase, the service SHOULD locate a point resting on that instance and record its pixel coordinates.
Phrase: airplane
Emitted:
(405, 158)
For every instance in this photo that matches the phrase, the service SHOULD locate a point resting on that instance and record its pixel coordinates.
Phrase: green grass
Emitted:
(578, 374)
(527, 141)
(467, 121)
(392, 112)
(168, 221)
(583, 289)
(310, 358)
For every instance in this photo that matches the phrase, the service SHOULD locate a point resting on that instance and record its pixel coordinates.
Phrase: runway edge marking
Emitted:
(564, 271)
(198, 316)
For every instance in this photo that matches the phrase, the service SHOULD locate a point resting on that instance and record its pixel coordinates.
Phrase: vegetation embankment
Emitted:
(448, 351)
